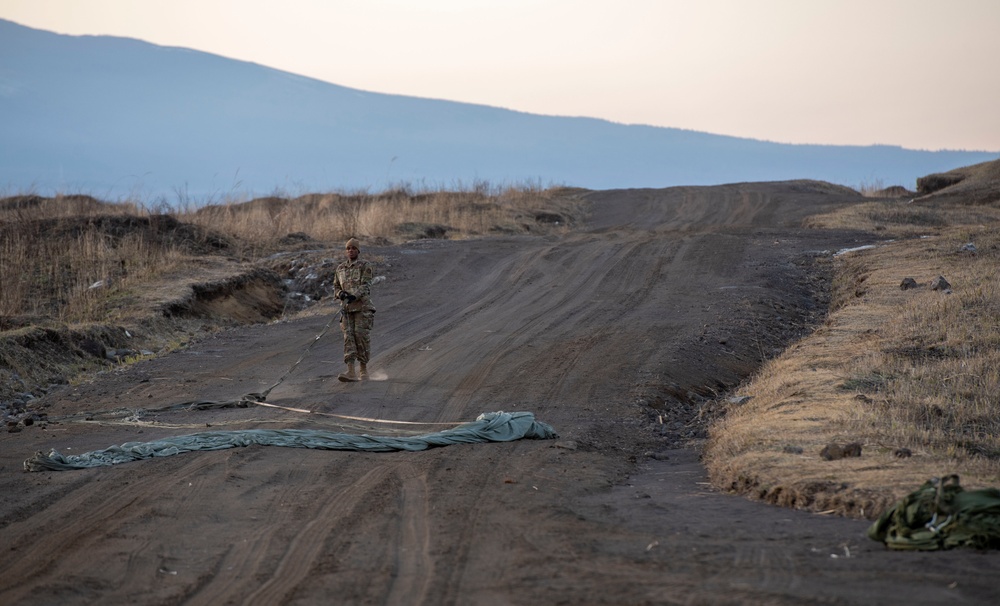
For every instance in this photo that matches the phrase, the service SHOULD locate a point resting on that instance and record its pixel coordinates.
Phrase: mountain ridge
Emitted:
(113, 117)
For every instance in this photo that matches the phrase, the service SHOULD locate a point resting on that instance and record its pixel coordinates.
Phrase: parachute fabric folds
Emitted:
(488, 427)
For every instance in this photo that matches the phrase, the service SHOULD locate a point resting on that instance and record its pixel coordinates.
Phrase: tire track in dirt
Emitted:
(512, 326)
(401, 570)
(246, 559)
(308, 543)
(61, 538)
(464, 536)
(451, 330)
(630, 276)
(521, 275)
(490, 352)
(396, 340)
(450, 275)
(636, 265)
(564, 355)
(414, 566)
(555, 317)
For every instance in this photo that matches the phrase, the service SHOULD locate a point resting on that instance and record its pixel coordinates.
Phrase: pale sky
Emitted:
(923, 74)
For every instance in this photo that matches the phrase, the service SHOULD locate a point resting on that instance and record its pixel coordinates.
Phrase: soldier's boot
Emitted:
(349, 375)
(363, 374)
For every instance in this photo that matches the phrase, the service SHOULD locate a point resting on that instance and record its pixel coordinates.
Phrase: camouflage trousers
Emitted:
(357, 327)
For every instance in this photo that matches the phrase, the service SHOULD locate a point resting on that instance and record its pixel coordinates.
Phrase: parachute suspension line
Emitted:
(349, 417)
(263, 395)
(242, 402)
(255, 398)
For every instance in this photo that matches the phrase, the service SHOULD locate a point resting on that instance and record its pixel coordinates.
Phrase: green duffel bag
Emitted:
(941, 515)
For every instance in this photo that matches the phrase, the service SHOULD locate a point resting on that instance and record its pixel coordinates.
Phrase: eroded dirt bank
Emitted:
(616, 336)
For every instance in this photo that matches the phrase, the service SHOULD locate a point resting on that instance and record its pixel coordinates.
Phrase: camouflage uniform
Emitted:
(358, 317)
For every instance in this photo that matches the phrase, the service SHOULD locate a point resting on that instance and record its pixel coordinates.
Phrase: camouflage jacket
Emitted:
(355, 278)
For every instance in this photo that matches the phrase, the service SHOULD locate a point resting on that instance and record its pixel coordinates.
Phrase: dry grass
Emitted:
(899, 371)
(905, 218)
(393, 216)
(71, 259)
(74, 259)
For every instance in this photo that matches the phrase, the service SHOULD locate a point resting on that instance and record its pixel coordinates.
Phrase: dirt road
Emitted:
(615, 335)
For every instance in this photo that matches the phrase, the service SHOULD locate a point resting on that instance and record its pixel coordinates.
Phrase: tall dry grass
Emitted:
(57, 262)
(872, 188)
(79, 278)
(391, 216)
(77, 259)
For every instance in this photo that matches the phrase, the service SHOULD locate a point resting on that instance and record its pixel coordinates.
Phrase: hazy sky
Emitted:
(923, 74)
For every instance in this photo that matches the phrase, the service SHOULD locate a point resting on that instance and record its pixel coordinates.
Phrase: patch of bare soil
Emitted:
(621, 336)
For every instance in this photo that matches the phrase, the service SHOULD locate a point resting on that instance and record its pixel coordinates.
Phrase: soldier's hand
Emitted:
(349, 298)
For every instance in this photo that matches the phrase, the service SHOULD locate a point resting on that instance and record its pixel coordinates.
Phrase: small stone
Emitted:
(907, 284)
(832, 452)
(939, 283)
(93, 347)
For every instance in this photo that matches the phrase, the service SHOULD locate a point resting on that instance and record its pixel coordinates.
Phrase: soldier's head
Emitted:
(353, 248)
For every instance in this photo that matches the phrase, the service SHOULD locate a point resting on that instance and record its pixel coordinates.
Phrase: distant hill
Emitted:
(978, 184)
(114, 117)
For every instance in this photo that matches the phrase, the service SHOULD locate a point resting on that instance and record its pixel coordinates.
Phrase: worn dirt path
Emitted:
(614, 335)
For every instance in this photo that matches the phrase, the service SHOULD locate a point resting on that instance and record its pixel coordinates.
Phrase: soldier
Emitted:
(352, 285)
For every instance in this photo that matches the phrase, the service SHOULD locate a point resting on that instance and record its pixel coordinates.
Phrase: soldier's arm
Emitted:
(367, 277)
(338, 287)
